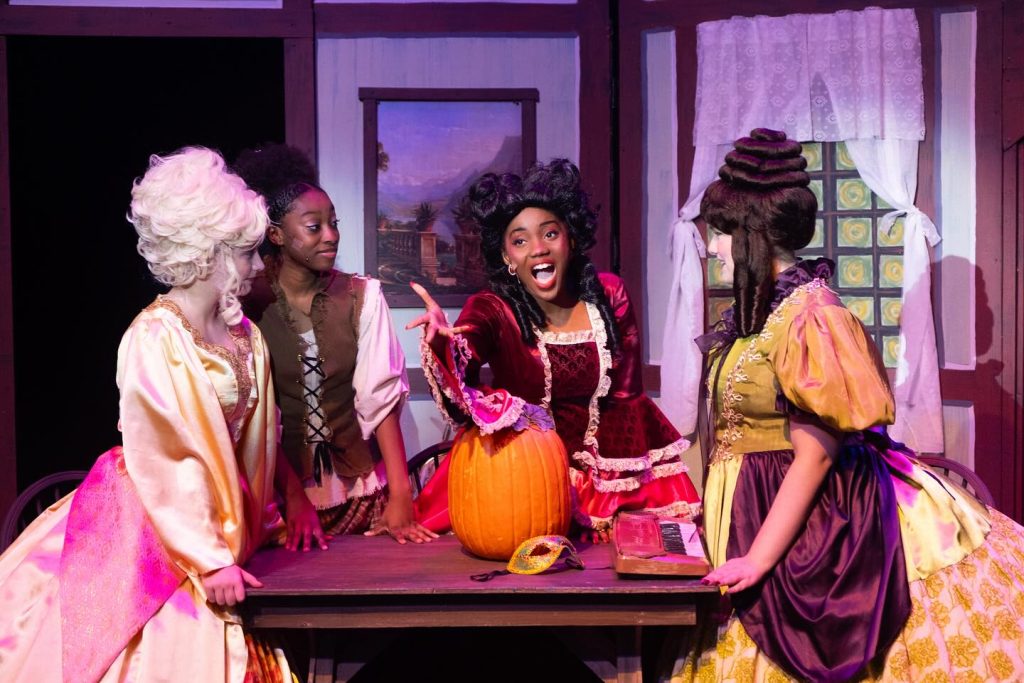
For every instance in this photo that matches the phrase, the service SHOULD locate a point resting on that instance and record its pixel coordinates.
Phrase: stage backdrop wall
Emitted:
(549, 64)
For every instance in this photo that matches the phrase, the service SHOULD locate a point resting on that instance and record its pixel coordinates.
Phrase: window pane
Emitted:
(818, 241)
(891, 308)
(812, 152)
(861, 306)
(844, 162)
(854, 232)
(817, 189)
(855, 271)
(715, 273)
(890, 267)
(893, 237)
(716, 306)
(852, 194)
(890, 350)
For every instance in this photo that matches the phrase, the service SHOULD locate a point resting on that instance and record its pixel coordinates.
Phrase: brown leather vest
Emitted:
(335, 314)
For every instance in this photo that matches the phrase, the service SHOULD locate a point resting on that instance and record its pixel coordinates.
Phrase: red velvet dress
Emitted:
(624, 453)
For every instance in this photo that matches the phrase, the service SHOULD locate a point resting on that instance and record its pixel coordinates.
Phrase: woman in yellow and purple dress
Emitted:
(844, 558)
(135, 575)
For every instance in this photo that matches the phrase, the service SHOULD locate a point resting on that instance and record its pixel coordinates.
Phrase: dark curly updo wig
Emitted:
(762, 200)
(494, 200)
(281, 174)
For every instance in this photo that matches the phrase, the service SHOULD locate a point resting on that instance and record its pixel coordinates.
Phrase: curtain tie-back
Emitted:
(686, 229)
(931, 234)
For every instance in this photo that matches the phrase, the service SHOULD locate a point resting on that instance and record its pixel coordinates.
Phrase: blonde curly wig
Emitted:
(190, 212)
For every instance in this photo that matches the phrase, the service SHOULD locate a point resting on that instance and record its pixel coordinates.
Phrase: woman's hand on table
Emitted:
(434, 323)
(399, 522)
(737, 574)
(303, 524)
(226, 586)
(595, 536)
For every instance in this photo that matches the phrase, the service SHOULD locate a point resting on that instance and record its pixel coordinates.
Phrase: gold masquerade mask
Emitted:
(535, 555)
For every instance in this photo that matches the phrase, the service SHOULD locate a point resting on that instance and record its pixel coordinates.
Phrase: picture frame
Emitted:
(422, 150)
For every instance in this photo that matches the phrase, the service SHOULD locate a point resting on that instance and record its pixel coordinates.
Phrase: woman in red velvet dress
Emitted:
(563, 345)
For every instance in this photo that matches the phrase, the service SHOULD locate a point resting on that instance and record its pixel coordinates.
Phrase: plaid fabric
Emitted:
(354, 516)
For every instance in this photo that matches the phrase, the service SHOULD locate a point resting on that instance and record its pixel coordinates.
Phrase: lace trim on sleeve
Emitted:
(439, 388)
(490, 412)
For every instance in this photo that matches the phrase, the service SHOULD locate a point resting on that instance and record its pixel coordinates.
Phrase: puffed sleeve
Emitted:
(627, 378)
(177, 449)
(380, 381)
(827, 365)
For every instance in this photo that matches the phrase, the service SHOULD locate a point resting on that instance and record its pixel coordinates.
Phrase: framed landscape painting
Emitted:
(422, 150)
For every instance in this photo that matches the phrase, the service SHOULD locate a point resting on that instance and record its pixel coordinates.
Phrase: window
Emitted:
(869, 261)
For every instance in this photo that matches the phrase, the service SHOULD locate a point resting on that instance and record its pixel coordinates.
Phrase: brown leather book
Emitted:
(652, 545)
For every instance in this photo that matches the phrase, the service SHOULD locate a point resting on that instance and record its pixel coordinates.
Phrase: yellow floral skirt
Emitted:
(967, 625)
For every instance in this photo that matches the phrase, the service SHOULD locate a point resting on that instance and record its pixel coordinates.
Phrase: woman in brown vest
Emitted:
(339, 371)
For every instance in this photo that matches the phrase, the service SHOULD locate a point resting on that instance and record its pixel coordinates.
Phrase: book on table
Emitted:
(648, 544)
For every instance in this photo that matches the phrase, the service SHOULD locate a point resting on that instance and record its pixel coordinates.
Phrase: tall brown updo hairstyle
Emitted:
(762, 200)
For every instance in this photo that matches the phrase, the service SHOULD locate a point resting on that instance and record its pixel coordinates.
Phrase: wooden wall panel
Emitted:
(1012, 92)
(300, 94)
(155, 22)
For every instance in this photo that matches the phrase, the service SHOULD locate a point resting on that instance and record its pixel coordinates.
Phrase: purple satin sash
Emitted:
(115, 573)
(840, 596)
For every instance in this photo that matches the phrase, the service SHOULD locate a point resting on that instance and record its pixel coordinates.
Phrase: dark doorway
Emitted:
(85, 114)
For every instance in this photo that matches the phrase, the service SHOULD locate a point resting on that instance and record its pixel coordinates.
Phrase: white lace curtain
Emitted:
(852, 76)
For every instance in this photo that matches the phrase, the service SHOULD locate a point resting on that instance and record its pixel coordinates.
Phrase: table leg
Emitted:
(321, 656)
(628, 660)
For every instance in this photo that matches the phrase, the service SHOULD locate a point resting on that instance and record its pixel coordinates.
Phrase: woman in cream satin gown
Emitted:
(134, 576)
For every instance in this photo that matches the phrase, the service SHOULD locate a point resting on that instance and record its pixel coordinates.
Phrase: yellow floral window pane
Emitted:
(890, 350)
(716, 306)
(893, 236)
(818, 241)
(890, 270)
(819, 193)
(855, 271)
(812, 152)
(861, 306)
(715, 273)
(844, 162)
(852, 194)
(891, 308)
(854, 232)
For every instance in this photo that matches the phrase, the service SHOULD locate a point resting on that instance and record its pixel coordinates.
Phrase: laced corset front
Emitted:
(575, 370)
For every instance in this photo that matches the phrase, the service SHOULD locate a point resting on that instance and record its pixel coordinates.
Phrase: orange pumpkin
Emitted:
(507, 487)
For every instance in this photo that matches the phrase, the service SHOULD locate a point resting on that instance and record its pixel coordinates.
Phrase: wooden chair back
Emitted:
(960, 474)
(31, 502)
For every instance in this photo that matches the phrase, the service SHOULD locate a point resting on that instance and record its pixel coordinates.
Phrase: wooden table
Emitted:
(375, 583)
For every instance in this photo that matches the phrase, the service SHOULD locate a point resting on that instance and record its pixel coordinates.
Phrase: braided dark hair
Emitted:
(494, 200)
(762, 200)
(281, 174)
